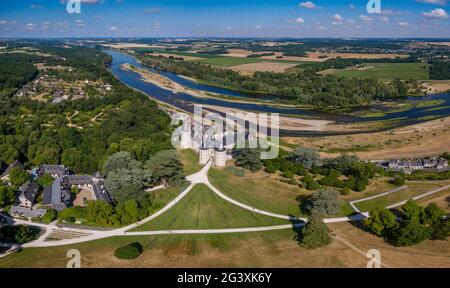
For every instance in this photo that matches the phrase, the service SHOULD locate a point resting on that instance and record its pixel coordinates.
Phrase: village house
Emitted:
(58, 195)
(28, 193)
(435, 164)
(56, 171)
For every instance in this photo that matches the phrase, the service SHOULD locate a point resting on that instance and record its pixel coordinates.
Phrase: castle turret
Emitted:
(186, 139)
(204, 156)
(220, 157)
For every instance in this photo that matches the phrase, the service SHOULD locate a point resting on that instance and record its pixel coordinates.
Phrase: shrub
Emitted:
(312, 185)
(410, 233)
(381, 222)
(398, 180)
(432, 214)
(50, 215)
(345, 191)
(129, 251)
(411, 210)
(19, 234)
(288, 174)
(441, 230)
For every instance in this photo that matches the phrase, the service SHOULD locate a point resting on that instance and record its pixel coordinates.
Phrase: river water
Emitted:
(186, 101)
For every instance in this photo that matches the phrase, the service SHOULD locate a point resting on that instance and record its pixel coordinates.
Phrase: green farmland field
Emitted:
(388, 71)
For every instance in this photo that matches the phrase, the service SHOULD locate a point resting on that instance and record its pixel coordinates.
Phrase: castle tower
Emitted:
(204, 156)
(220, 157)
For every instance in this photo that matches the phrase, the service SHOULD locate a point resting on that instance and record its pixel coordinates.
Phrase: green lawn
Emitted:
(189, 159)
(414, 189)
(161, 197)
(264, 191)
(388, 71)
(202, 209)
(157, 250)
(258, 190)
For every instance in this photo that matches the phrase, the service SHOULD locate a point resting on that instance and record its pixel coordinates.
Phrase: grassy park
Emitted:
(189, 159)
(414, 189)
(258, 190)
(265, 192)
(202, 209)
(262, 249)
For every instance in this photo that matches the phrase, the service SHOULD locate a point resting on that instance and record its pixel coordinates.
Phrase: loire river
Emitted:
(186, 101)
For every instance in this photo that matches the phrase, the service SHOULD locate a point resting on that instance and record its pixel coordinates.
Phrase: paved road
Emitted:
(197, 178)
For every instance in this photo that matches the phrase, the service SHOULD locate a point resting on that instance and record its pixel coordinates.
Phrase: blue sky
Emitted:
(225, 18)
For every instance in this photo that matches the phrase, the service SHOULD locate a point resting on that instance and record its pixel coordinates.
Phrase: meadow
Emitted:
(385, 71)
(262, 249)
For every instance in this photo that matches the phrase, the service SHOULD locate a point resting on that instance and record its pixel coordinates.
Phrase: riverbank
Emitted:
(414, 141)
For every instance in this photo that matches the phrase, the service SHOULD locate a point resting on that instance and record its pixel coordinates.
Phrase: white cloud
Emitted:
(113, 28)
(297, 20)
(437, 2)
(308, 5)
(351, 6)
(351, 21)
(2, 22)
(384, 18)
(30, 26)
(403, 24)
(338, 17)
(365, 18)
(258, 26)
(436, 13)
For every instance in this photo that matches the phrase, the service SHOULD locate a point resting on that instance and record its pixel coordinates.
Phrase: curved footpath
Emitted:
(200, 177)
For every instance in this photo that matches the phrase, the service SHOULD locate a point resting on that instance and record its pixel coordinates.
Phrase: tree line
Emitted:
(301, 87)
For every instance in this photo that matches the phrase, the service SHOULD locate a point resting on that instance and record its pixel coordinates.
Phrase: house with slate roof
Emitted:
(27, 194)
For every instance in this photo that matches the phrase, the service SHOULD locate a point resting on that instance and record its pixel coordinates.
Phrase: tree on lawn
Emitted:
(381, 221)
(315, 233)
(249, 159)
(432, 214)
(125, 184)
(398, 180)
(306, 156)
(441, 230)
(325, 201)
(412, 211)
(411, 232)
(164, 168)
